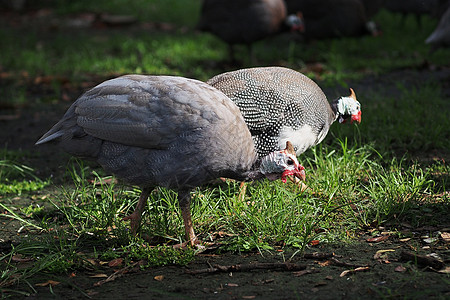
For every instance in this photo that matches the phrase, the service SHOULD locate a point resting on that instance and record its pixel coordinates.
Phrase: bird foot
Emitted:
(198, 245)
(299, 183)
(135, 220)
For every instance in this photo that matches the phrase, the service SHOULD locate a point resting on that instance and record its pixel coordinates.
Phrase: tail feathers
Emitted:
(49, 136)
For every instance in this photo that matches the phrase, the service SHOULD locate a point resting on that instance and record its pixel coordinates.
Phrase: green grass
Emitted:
(375, 173)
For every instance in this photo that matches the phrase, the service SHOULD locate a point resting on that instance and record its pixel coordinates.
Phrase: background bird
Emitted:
(280, 104)
(165, 131)
(440, 37)
(417, 8)
(332, 18)
(246, 21)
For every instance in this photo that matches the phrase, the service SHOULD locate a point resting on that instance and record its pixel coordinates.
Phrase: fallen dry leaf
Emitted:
(49, 282)
(314, 243)
(445, 270)
(359, 269)
(445, 236)
(379, 253)
(233, 284)
(400, 269)
(101, 275)
(248, 297)
(18, 258)
(378, 239)
(404, 240)
(430, 240)
(159, 277)
(115, 262)
(91, 261)
(324, 263)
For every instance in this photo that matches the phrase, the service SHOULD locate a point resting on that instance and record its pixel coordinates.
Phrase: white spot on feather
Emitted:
(301, 138)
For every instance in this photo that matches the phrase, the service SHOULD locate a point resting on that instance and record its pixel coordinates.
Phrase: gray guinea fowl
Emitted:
(440, 37)
(280, 104)
(246, 21)
(165, 131)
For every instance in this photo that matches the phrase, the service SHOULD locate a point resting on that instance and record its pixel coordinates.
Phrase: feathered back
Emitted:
(157, 130)
(277, 102)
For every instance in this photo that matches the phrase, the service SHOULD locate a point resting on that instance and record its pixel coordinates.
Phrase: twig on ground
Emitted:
(422, 260)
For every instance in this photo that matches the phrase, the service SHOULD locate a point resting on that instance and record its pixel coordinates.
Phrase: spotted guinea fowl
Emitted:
(280, 104)
(165, 131)
(245, 21)
(440, 37)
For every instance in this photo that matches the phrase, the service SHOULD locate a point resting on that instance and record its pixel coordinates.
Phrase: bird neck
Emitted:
(334, 109)
(340, 108)
(248, 175)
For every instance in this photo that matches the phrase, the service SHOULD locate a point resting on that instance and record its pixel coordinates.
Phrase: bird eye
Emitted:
(290, 162)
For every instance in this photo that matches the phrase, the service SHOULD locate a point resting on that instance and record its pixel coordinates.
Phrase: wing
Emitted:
(144, 111)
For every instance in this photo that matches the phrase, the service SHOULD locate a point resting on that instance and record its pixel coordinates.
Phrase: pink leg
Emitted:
(184, 200)
(135, 217)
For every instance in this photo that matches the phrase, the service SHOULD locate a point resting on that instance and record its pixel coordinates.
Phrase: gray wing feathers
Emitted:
(138, 111)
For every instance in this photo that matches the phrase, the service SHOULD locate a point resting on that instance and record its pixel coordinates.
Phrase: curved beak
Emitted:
(298, 172)
(356, 117)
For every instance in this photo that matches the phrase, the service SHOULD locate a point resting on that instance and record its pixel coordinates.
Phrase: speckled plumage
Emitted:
(165, 131)
(278, 104)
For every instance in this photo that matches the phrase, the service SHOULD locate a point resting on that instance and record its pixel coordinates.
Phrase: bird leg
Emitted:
(135, 217)
(242, 190)
(184, 200)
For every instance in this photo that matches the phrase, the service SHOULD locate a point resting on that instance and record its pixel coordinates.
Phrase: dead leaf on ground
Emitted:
(400, 269)
(445, 270)
(404, 240)
(314, 243)
(248, 297)
(430, 240)
(378, 239)
(18, 258)
(360, 269)
(115, 262)
(325, 263)
(159, 277)
(445, 236)
(233, 284)
(99, 276)
(380, 253)
(48, 282)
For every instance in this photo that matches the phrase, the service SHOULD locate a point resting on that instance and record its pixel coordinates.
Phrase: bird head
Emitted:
(283, 163)
(349, 107)
(295, 22)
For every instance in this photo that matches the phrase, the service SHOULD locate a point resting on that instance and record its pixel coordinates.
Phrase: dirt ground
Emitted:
(323, 279)
(381, 275)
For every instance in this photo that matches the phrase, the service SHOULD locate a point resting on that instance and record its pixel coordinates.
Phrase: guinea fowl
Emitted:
(414, 7)
(280, 104)
(332, 18)
(246, 21)
(166, 131)
(440, 37)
